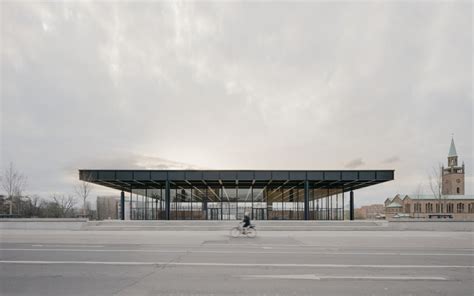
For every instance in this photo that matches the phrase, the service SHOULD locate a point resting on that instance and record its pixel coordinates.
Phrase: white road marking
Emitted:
(319, 246)
(235, 252)
(319, 277)
(77, 246)
(221, 264)
(283, 276)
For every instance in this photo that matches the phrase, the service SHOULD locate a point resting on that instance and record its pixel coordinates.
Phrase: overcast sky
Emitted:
(314, 85)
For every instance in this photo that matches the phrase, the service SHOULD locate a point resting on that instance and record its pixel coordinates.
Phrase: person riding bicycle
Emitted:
(246, 221)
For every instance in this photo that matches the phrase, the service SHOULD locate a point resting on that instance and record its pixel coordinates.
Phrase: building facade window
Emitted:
(429, 208)
(460, 207)
(457, 190)
(450, 208)
(439, 208)
(470, 207)
(417, 208)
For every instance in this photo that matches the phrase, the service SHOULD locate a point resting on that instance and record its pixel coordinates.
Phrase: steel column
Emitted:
(204, 204)
(168, 200)
(131, 203)
(221, 196)
(146, 204)
(343, 206)
(306, 199)
(251, 215)
(122, 205)
(351, 205)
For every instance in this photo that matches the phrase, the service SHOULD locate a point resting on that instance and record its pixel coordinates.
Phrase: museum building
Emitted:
(228, 194)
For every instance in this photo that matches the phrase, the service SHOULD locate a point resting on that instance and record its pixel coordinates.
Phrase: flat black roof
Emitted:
(140, 179)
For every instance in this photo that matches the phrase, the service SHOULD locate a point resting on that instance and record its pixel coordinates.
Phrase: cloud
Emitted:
(355, 163)
(233, 85)
(129, 161)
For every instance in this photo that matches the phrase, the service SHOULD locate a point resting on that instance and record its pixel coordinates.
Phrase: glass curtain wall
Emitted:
(231, 203)
(145, 204)
(326, 204)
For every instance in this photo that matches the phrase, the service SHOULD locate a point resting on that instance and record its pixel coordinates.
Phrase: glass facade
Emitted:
(231, 203)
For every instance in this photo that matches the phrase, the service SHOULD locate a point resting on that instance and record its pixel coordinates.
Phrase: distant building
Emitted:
(108, 207)
(453, 175)
(454, 207)
(375, 211)
(452, 204)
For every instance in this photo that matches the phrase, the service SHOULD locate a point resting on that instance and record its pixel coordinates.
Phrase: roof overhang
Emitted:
(126, 180)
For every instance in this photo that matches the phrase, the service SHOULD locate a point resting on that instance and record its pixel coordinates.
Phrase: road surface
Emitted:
(40, 262)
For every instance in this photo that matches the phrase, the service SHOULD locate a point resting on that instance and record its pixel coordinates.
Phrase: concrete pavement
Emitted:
(214, 225)
(41, 262)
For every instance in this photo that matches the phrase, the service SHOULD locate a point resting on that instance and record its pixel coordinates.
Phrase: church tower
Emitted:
(453, 175)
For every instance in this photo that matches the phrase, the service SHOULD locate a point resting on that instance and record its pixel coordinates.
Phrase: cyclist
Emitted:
(246, 222)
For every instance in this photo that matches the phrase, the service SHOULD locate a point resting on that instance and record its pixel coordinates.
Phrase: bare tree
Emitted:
(419, 190)
(35, 201)
(64, 204)
(14, 183)
(436, 184)
(418, 193)
(83, 189)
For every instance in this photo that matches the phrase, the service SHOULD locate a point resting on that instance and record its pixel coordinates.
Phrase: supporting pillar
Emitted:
(131, 204)
(251, 191)
(306, 199)
(221, 196)
(204, 204)
(168, 200)
(351, 205)
(122, 205)
(343, 206)
(146, 204)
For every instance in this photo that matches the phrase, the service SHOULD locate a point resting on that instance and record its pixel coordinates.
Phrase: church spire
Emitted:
(452, 149)
(452, 155)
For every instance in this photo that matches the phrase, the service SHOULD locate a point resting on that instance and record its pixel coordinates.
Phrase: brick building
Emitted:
(451, 203)
(375, 211)
(454, 207)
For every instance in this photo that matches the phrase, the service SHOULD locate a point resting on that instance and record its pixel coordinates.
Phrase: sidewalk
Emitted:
(199, 225)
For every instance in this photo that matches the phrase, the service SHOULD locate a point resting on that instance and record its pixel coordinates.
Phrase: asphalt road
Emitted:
(38, 262)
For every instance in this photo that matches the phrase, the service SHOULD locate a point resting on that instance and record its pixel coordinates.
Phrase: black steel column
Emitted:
(122, 205)
(351, 205)
(204, 204)
(343, 206)
(146, 204)
(252, 202)
(168, 200)
(221, 197)
(161, 205)
(131, 203)
(306, 199)
(191, 203)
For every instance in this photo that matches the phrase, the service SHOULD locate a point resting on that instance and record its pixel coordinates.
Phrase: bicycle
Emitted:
(240, 230)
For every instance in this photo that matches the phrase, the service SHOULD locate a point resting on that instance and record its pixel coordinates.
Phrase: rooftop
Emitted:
(140, 179)
(394, 205)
